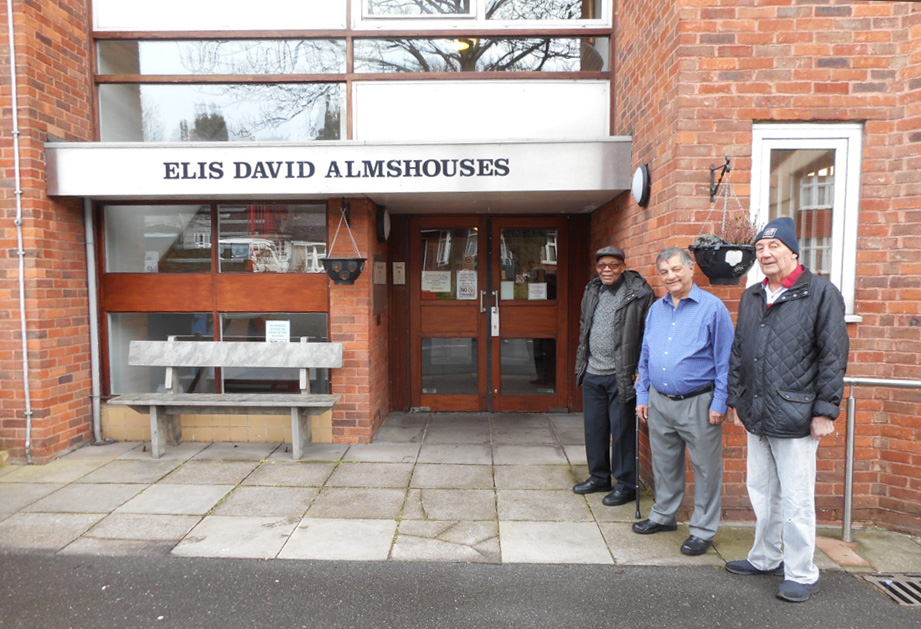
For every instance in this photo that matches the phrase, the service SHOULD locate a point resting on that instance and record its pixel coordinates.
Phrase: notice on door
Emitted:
(466, 284)
(436, 281)
(537, 290)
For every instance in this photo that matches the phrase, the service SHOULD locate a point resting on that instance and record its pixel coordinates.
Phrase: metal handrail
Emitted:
(852, 438)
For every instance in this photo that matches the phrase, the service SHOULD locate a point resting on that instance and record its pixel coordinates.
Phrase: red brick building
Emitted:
(817, 105)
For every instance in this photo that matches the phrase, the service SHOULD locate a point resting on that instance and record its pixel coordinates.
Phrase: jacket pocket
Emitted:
(803, 397)
(795, 412)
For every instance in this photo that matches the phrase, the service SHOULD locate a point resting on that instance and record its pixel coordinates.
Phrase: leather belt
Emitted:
(704, 389)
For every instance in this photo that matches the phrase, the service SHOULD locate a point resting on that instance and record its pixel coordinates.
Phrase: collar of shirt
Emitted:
(694, 295)
(790, 280)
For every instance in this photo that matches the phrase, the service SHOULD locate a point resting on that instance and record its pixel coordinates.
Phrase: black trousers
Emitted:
(607, 418)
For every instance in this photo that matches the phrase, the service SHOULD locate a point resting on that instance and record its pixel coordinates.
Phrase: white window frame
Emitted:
(846, 139)
(363, 20)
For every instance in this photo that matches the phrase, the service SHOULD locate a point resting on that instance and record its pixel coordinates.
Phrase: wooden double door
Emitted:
(488, 313)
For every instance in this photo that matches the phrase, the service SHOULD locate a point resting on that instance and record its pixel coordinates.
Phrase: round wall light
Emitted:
(641, 185)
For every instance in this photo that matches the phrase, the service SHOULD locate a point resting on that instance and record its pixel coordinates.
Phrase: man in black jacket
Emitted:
(614, 310)
(786, 381)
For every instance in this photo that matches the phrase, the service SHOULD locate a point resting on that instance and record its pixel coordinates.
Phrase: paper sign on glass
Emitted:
(278, 331)
(436, 281)
(466, 284)
(537, 290)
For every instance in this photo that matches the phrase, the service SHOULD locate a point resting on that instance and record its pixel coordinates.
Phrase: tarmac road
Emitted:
(40, 590)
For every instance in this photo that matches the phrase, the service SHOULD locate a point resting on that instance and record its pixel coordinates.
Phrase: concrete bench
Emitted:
(166, 407)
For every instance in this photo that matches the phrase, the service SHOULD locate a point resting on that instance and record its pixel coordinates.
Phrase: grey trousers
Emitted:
(674, 425)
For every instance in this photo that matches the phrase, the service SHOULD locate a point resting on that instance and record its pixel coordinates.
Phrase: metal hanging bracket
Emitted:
(714, 184)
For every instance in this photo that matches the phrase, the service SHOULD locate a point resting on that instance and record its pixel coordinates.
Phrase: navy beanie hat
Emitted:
(784, 230)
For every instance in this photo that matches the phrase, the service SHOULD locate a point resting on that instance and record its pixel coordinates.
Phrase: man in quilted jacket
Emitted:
(786, 381)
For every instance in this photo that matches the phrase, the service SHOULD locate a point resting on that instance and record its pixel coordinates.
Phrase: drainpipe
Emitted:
(14, 100)
(94, 318)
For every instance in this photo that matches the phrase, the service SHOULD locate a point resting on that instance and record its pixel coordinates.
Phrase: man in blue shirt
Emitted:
(681, 393)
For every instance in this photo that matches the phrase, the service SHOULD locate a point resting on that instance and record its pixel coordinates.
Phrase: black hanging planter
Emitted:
(724, 263)
(344, 271)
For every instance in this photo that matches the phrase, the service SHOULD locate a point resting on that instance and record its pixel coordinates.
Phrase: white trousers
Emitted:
(781, 486)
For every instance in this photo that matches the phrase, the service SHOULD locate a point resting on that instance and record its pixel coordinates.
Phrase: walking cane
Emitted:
(637, 455)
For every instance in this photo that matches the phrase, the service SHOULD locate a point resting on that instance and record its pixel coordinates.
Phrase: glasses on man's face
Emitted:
(601, 266)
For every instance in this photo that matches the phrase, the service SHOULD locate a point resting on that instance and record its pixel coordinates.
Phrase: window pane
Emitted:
(156, 326)
(271, 238)
(158, 238)
(803, 187)
(221, 112)
(472, 54)
(528, 263)
(222, 57)
(543, 9)
(449, 366)
(418, 7)
(248, 327)
(449, 263)
(528, 366)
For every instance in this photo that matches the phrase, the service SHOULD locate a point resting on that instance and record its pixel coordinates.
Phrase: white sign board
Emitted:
(278, 331)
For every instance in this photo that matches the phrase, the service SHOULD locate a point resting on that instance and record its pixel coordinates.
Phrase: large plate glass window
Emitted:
(158, 238)
(485, 10)
(811, 172)
(271, 238)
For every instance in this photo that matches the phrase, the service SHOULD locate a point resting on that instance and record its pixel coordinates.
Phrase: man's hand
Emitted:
(717, 418)
(822, 426)
(642, 411)
(735, 417)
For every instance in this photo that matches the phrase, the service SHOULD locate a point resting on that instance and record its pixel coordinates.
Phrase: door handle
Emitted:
(482, 295)
(494, 319)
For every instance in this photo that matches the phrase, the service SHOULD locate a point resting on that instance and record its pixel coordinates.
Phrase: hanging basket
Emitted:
(724, 263)
(343, 271)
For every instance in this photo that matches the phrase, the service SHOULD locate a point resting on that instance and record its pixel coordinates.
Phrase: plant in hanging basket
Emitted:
(729, 253)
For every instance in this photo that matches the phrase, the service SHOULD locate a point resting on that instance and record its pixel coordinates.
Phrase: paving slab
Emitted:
(44, 531)
(290, 502)
(428, 540)
(733, 541)
(116, 547)
(575, 454)
(553, 542)
(184, 451)
(567, 420)
(574, 436)
(529, 455)
(659, 549)
(400, 434)
(452, 476)
(457, 435)
(523, 436)
(289, 473)
(471, 454)
(382, 452)
(371, 475)
(623, 513)
(357, 503)
(176, 499)
(542, 504)
(107, 450)
(143, 527)
(450, 504)
(407, 420)
(534, 477)
(131, 471)
(206, 472)
(888, 552)
(460, 420)
(15, 496)
(316, 452)
(64, 470)
(236, 451)
(86, 498)
(340, 540)
(240, 537)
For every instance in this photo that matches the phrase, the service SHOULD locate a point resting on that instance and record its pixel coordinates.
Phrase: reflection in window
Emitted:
(158, 238)
(472, 54)
(156, 326)
(221, 112)
(527, 271)
(449, 366)
(528, 366)
(543, 9)
(222, 57)
(404, 8)
(250, 327)
(449, 263)
(271, 238)
(803, 186)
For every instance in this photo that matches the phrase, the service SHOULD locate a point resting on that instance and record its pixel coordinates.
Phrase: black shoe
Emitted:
(648, 527)
(591, 486)
(695, 546)
(745, 568)
(619, 497)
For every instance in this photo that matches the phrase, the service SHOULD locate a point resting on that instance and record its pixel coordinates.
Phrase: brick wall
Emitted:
(362, 381)
(54, 100)
(690, 83)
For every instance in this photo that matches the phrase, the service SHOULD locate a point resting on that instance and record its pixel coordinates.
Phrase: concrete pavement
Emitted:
(473, 488)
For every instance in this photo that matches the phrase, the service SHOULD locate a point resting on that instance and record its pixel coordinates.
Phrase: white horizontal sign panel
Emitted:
(217, 15)
(211, 170)
(503, 110)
